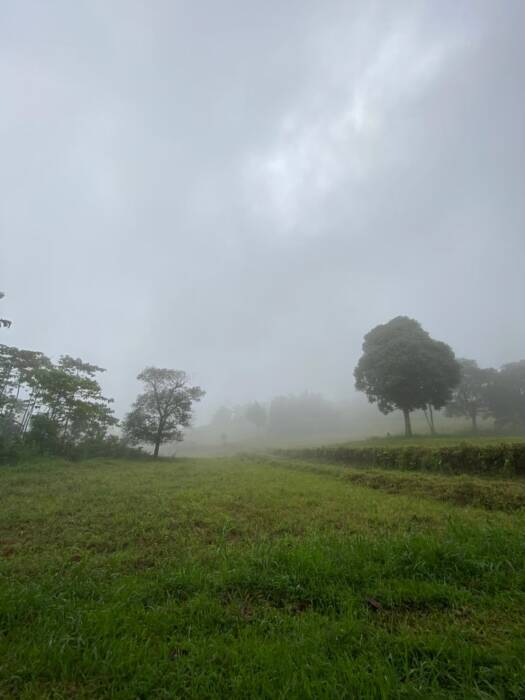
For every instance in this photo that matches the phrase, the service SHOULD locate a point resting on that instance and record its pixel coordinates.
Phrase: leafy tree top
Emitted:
(403, 367)
(165, 407)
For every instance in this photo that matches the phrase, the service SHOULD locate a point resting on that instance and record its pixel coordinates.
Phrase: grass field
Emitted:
(249, 578)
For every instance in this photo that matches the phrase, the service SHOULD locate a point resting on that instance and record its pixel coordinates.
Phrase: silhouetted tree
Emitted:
(403, 367)
(3, 321)
(256, 413)
(469, 398)
(506, 396)
(165, 407)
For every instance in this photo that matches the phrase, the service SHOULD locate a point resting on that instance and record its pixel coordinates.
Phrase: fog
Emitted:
(242, 190)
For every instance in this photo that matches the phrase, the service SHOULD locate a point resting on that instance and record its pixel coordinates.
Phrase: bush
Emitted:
(42, 440)
(43, 435)
(503, 458)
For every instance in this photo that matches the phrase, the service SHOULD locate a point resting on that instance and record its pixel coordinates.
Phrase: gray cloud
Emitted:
(242, 189)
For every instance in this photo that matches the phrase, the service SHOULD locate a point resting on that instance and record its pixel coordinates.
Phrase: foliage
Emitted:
(256, 413)
(44, 435)
(4, 323)
(503, 458)
(403, 367)
(470, 397)
(249, 579)
(506, 396)
(74, 400)
(47, 407)
(159, 413)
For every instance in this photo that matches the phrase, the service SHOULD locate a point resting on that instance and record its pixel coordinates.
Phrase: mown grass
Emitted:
(249, 578)
(492, 493)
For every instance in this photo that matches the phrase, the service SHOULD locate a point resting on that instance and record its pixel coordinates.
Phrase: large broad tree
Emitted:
(403, 368)
(470, 397)
(163, 409)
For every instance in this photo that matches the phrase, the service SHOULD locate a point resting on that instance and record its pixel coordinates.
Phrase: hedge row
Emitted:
(503, 458)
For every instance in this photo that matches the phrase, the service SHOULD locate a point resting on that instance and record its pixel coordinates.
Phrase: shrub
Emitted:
(464, 458)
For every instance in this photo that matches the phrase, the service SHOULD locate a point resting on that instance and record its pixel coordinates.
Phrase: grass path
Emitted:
(241, 578)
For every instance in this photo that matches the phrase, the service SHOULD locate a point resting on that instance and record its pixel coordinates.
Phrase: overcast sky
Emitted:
(243, 189)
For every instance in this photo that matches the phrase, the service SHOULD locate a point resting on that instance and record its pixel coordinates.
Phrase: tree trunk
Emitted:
(427, 419)
(408, 425)
(156, 450)
(432, 427)
(474, 418)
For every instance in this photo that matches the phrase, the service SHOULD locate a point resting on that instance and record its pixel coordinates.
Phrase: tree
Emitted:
(3, 321)
(303, 415)
(469, 398)
(403, 368)
(506, 397)
(74, 401)
(19, 383)
(165, 407)
(53, 407)
(256, 413)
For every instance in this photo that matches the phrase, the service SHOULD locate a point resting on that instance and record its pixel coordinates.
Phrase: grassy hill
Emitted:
(259, 578)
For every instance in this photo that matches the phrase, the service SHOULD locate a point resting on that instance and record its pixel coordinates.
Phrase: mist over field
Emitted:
(262, 349)
(244, 190)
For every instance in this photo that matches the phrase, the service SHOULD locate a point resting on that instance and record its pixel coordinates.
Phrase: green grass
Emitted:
(249, 578)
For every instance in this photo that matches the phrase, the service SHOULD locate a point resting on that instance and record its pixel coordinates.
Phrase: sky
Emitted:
(243, 189)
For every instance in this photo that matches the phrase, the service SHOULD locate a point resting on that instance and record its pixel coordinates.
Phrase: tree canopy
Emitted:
(470, 397)
(403, 368)
(163, 409)
(506, 397)
(63, 400)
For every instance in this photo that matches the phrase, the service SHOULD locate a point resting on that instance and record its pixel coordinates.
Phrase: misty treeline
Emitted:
(59, 409)
(50, 408)
(284, 416)
(403, 368)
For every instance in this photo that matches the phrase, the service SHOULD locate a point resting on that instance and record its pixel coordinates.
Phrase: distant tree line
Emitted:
(284, 416)
(403, 368)
(50, 407)
(58, 408)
